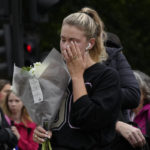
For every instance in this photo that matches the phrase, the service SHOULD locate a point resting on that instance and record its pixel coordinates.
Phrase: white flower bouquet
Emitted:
(42, 88)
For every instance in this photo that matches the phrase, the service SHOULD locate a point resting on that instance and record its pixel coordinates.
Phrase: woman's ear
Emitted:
(88, 47)
(92, 43)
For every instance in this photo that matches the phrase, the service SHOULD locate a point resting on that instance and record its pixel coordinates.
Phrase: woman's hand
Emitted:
(40, 134)
(15, 131)
(74, 59)
(132, 134)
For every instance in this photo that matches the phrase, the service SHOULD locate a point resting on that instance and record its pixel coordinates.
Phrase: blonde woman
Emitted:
(20, 121)
(92, 104)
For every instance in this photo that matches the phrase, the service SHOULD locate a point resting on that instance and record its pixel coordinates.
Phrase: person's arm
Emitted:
(6, 135)
(76, 64)
(129, 86)
(91, 112)
(132, 134)
(95, 112)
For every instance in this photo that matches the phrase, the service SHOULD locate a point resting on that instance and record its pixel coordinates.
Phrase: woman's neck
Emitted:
(90, 62)
(16, 117)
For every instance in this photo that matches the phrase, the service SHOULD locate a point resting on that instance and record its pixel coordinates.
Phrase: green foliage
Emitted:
(129, 19)
(26, 68)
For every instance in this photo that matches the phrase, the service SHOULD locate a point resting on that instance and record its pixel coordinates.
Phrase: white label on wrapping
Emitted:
(36, 90)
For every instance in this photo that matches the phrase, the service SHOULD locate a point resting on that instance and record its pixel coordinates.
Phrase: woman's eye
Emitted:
(76, 41)
(63, 40)
(17, 101)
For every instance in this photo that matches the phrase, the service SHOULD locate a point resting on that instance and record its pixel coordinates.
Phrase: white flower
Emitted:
(37, 65)
(32, 71)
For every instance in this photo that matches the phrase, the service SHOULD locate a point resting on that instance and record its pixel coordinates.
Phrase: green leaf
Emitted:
(26, 68)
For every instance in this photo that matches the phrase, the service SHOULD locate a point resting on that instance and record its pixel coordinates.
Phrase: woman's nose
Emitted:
(65, 45)
(13, 103)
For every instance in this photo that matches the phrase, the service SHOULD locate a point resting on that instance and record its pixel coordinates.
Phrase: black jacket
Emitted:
(91, 119)
(7, 139)
(129, 87)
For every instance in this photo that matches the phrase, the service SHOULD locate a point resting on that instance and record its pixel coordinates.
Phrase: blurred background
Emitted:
(29, 29)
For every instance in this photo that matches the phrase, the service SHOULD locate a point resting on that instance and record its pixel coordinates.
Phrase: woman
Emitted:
(137, 137)
(131, 137)
(19, 117)
(4, 89)
(129, 86)
(93, 92)
(141, 115)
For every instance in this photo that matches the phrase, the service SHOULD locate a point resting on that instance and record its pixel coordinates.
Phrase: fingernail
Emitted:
(46, 133)
(42, 140)
(48, 137)
(67, 46)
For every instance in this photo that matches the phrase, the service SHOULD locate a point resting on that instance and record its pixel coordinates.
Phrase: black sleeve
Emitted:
(102, 107)
(129, 86)
(8, 138)
(6, 135)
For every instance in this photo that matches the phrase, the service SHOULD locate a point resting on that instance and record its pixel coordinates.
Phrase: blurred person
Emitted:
(19, 117)
(94, 89)
(141, 114)
(128, 136)
(4, 89)
(138, 135)
(8, 136)
(129, 86)
(112, 41)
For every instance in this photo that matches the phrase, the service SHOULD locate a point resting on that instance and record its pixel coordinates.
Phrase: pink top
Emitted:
(142, 116)
(26, 135)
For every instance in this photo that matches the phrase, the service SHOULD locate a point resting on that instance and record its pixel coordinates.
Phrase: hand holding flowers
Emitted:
(38, 88)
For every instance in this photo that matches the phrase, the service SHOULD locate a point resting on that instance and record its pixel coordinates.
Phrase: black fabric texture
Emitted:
(7, 139)
(90, 121)
(130, 91)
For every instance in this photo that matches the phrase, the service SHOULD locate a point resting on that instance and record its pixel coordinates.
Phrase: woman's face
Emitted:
(4, 92)
(15, 104)
(71, 33)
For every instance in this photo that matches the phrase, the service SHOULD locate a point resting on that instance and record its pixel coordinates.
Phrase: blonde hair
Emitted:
(89, 21)
(25, 118)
